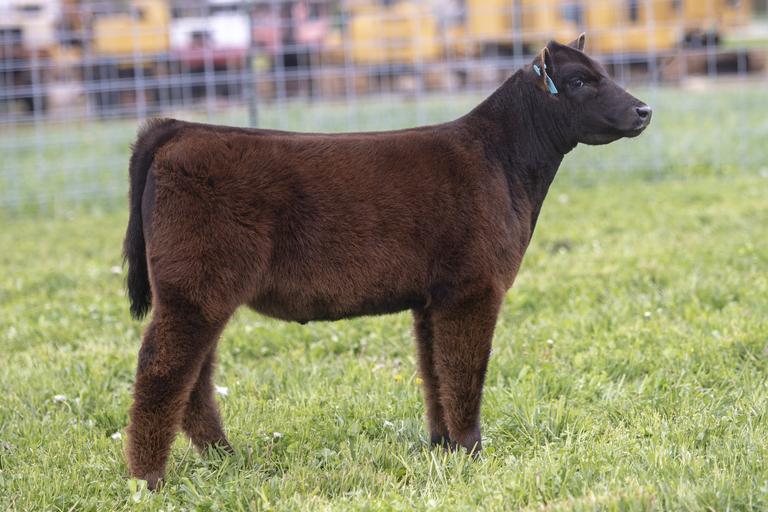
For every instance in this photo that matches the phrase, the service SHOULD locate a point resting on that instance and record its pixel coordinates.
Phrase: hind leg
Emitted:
(202, 421)
(438, 430)
(173, 351)
(462, 345)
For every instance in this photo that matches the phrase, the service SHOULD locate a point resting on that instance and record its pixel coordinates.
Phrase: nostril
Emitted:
(644, 111)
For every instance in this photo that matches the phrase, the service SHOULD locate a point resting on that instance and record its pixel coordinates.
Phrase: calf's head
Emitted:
(579, 94)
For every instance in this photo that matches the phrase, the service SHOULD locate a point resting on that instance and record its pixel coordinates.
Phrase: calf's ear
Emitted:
(578, 43)
(545, 69)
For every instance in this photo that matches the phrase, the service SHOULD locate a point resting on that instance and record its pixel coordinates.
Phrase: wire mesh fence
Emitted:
(77, 75)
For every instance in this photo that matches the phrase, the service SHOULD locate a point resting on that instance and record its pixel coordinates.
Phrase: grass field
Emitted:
(628, 372)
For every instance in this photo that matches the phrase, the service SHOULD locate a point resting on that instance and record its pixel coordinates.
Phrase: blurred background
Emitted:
(77, 75)
(628, 371)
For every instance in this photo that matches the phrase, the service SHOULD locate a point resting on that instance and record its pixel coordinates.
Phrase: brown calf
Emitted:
(309, 227)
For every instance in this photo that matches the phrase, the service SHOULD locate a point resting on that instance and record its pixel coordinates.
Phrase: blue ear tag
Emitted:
(550, 83)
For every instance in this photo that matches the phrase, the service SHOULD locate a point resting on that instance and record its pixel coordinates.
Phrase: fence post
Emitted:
(250, 91)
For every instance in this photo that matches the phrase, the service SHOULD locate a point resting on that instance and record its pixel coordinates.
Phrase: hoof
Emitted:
(443, 441)
(472, 442)
(153, 479)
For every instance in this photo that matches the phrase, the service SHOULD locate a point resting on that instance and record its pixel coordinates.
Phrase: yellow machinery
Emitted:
(494, 25)
(630, 26)
(125, 49)
(635, 26)
(489, 20)
(712, 15)
(403, 32)
(143, 30)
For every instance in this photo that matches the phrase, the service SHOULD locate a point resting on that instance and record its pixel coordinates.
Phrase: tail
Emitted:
(152, 134)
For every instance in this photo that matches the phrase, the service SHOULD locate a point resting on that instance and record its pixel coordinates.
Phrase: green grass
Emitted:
(628, 373)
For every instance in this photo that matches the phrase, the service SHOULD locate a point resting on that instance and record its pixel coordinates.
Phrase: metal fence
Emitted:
(76, 75)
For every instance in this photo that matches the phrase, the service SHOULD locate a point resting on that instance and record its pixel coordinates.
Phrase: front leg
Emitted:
(463, 331)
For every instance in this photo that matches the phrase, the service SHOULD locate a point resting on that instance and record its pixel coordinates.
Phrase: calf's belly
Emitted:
(316, 278)
(313, 305)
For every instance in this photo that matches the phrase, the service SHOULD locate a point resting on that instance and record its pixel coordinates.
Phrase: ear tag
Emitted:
(550, 83)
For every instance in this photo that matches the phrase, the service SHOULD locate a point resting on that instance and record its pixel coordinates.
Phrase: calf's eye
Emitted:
(576, 83)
